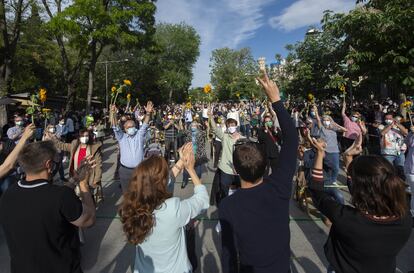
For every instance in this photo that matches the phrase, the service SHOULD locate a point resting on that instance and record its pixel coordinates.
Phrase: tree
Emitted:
(11, 16)
(90, 25)
(233, 73)
(178, 51)
(37, 62)
(71, 57)
(379, 38)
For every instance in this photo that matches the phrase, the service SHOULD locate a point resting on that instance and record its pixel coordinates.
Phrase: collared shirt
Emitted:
(13, 131)
(131, 148)
(61, 130)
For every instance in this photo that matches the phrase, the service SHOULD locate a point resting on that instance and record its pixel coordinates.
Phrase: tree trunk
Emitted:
(90, 86)
(170, 96)
(71, 96)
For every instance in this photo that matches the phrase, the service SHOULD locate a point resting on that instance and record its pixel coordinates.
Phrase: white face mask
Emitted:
(84, 139)
(52, 130)
(232, 129)
(62, 123)
(354, 119)
(233, 109)
(326, 123)
(388, 121)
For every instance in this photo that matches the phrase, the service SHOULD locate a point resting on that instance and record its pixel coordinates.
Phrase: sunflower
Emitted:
(113, 89)
(207, 88)
(342, 88)
(42, 94)
(311, 97)
(129, 97)
(127, 82)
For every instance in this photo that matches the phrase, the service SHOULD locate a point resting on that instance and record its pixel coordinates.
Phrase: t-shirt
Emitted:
(330, 137)
(392, 143)
(36, 220)
(353, 129)
(81, 155)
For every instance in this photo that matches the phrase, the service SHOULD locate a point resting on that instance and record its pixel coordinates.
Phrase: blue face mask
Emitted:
(131, 131)
(193, 129)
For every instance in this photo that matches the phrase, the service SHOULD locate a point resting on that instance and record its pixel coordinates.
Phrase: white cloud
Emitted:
(303, 13)
(219, 23)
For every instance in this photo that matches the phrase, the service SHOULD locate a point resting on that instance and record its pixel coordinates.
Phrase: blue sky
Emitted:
(265, 26)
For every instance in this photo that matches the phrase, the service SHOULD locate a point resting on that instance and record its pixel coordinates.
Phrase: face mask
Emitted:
(19, 123)
(52, 130)
(233, 109)
(312, 114)
(388, 121)
(354, 119)
(193, 129)
(131, 131)
(169, 117)
(232, 129)
(326, 123)
(62, 123)
(53, 170)
(269, 123)
(84, 139)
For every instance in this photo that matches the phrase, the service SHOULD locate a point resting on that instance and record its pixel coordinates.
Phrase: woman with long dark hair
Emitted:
(154, 221)
(367, 236)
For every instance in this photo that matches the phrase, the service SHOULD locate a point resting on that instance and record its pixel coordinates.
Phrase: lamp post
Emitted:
(106, 77)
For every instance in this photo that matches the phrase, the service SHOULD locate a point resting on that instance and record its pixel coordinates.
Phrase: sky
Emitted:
(266, 26)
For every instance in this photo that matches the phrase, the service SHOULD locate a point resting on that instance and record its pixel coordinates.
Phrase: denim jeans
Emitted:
(396, 160)
(199, 172)
(331, 161)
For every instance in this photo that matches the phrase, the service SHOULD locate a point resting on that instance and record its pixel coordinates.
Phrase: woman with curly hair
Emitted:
(154, 221)
(367, 236)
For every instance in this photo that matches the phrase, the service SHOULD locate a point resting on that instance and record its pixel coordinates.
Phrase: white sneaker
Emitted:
(218, 227)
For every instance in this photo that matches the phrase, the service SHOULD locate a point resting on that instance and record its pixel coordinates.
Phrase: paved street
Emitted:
(106, 249)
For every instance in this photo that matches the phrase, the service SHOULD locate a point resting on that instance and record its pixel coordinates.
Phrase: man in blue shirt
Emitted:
(15, 133)
(131, 144)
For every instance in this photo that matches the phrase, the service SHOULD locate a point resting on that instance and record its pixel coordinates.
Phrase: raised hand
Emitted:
(82, 173)
(270, 87)
(149, 108)
(29, 131)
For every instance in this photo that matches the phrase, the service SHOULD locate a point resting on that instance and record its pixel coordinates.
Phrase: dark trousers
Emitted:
(124, 177)
(170, 146)
(217, 152)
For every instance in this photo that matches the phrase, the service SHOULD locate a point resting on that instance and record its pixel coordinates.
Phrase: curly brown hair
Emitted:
(147, 191)
(376, 188)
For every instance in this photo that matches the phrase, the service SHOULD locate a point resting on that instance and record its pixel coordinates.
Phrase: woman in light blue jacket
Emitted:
(154, 221)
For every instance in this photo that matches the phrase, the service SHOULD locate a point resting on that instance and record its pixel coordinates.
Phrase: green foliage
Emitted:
(233, 73)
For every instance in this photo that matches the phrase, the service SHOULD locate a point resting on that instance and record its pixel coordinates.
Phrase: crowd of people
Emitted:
(257, 148)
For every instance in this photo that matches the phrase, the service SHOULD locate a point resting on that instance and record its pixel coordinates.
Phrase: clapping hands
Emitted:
(187, 156)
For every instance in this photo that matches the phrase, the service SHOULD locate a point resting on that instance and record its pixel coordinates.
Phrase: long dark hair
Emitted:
(376, 187)
(147, 191)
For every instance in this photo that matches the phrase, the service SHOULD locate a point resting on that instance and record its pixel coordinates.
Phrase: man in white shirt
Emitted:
(234, 114)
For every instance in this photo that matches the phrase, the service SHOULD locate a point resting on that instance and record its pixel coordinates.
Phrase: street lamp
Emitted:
(106, 77)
